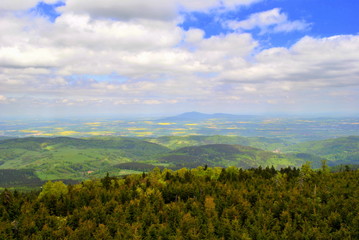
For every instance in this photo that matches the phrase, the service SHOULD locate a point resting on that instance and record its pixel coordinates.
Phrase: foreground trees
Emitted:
(202, 203)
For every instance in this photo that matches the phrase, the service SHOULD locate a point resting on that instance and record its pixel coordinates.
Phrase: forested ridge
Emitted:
(77, 159)
(201, 203)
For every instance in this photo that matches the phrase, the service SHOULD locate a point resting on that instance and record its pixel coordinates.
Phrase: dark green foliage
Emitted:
(16, 178)
(214, 155)
(202, 203)
(5, 137)
(346, 167)
(307, 157)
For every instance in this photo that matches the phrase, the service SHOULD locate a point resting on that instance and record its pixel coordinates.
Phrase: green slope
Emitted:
(71, 158)
(344, 150)
(224, 155)
(176, 142)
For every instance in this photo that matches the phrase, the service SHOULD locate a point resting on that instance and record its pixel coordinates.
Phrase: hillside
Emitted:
(5, 138)
(175, 142)
(72, 158)
(344, 150)
(224, 155)
(83, 158)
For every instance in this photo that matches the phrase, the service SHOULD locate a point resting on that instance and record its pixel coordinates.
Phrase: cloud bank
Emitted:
(112, 56)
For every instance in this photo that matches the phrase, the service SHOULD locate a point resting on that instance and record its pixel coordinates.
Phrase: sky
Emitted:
(76, 58)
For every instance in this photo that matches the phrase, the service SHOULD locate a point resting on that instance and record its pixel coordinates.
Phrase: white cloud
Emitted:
(239, 45)
(310, 63)
(198, 5)
(289, 26)
(15, 5)
(268, 21)
(194, 35)
(124, 9)
(232, 3)
(80, 30)
(27, 57)
(21, 5)
(150, 9)
(203, 6)
(84, 59)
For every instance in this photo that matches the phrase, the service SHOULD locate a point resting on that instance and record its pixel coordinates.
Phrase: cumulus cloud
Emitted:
(124, 9)
(194, 35)
(21, 5)
(150, 9)
(111, 54)
(11, 5)
(269, 21)
(203, 6)
(322, 62)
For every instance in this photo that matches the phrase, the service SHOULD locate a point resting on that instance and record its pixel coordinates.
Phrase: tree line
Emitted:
(200, 203)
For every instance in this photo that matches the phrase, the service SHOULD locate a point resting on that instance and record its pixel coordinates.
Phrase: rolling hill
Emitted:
(39, 159)
(72, 158)
(224, 155)
(344, 150)
(175, 142)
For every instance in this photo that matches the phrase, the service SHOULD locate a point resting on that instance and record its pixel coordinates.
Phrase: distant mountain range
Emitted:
(197, 116)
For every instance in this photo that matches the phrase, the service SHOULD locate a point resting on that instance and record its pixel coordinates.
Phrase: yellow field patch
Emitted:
(67, 133)
(93, 123)
(165, 124)
(29, 131)
(48, 134)
(99, 133)
(143, 134)
(191, 124)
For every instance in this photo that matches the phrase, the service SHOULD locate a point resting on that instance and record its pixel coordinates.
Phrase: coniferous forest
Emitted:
(201, 203)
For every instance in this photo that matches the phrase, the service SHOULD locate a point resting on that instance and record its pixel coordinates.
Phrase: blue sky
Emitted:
(129, 57)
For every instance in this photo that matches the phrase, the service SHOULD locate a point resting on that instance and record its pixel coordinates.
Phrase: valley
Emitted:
(76, 150)
(79, 159)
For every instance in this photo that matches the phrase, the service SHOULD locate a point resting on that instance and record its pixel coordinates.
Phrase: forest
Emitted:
(199, 203)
